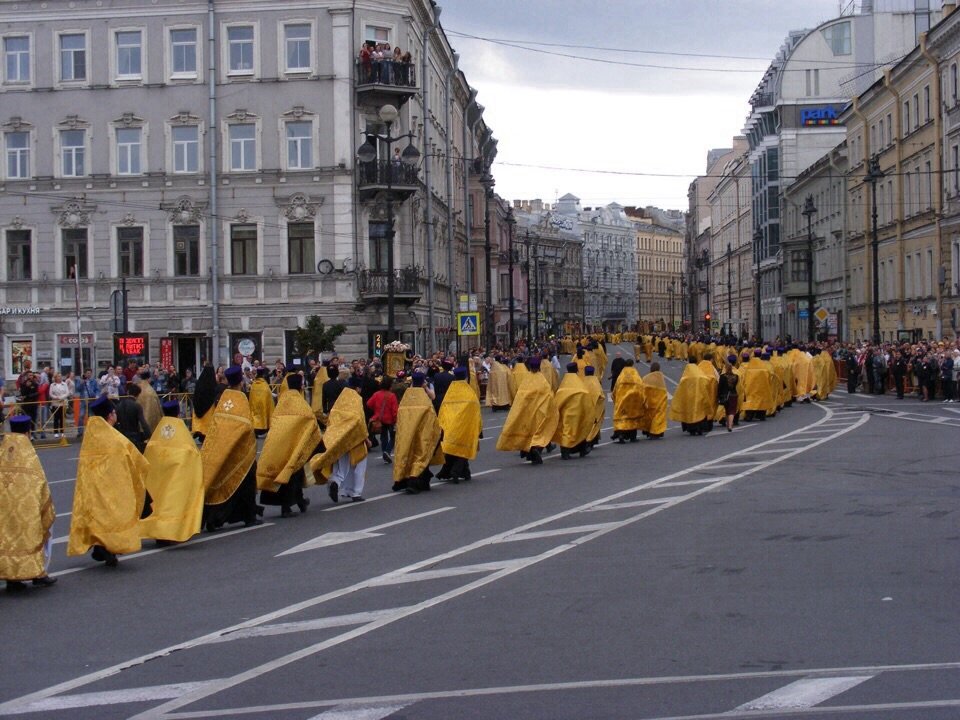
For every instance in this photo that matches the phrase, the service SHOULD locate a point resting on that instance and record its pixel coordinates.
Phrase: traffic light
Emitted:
(707, 316)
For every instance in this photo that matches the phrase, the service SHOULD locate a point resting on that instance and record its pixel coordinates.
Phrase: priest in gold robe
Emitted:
(599, 398)
(533, 417)
(261, 402)
(174, 481)
(109, 494)
(654, 403)
(26, 510)
(628, 404)
(148, 400)
(460, 427)
(293, 438)
(229, 456)
(342, 460)
(576, 411)
(692, 405)
(204, 402)
(498, 385)
(418, 439)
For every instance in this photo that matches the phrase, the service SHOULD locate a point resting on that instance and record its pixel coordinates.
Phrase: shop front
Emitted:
(76, 354)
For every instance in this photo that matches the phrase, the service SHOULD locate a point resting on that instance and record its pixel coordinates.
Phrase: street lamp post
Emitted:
(487, 182)
(410, 156)
(639, 305)
(671, 290)
(757, 241)
(874, 173)
(809, 210)
(526, 245)
(683, 299)
(729, 290)
(536, 293)
(511, 221)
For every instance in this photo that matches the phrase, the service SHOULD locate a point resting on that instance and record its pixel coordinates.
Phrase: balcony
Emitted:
(372, 286)
(386, 81)
(379, 176)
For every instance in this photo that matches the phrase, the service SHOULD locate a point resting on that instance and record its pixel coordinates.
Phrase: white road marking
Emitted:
(109, 697)
(338, 538)
(375, 712)
(164, 710)
(57, 482)
(487, 567)
(308, 625)
(145, 553)
(736, 464)
(702, 481)
(410, 698)
(556, 531)
(804, 693)
(636, 503)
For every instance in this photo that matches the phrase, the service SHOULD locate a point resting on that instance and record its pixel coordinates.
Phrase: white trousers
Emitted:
(349, 478)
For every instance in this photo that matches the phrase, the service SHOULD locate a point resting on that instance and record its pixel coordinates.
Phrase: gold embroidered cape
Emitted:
(533, 417)
(148, 400)
(628, 400)
(654, 403)
(346, 433)
(175, 483)
(576, 411)
(109, 493)
(418, 435)
(294, 435)
(459, 419)
(230, 448)
(261, 404)
(26, 510)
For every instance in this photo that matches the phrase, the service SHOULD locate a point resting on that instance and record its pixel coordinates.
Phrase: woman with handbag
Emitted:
(384, 405)
(727, 393)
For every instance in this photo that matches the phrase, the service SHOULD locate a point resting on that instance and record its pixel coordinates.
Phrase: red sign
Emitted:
(64, 339)
(131, 345)
(166, 352)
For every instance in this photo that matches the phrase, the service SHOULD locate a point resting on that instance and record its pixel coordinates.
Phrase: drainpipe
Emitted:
(428, 161)
(842, 331)
(468, 210)
(938, 174)
(448, 120)
(214, 224)
(867, 153)
(899, 215)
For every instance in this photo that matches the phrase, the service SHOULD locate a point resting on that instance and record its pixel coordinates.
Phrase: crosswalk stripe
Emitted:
(804, 693)
(108, 697)
(335, 621)
(636, 503)
(557, 531)
(489, 567)
(375, 712)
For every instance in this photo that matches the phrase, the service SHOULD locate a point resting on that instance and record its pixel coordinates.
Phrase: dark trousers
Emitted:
(948, 389)
(898, 384)
(387, 438)
(853, 379)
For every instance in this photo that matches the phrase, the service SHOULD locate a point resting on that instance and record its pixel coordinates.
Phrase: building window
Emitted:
(243, 147)
(955, 156)
(129, 55)
(19, 247)
(798, 266)
(954, 84)
(240, 43)
(186, 149)
(916, 111)
(243, 249)
(299, 145)
(300, 245)
(889, 129)
(16, 55)
(73, 150)
(73, 57)
(297, 47)
(130, 251)
(186, 250)
(75, 252)
(128, 151)
(375, 34)
(838, 38)
(906, 117)
(378, 246)
(18, 155)
(926, 103)
(183, 52)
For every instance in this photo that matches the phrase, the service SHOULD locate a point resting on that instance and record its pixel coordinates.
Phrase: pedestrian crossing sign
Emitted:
(468, 324)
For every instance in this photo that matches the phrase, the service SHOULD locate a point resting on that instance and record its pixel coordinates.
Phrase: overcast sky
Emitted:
(648, 129)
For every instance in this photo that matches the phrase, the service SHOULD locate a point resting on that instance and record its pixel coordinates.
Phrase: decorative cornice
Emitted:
(128, 119)
(184, 210)
(74, 213)
(16, 124)
(298, 207)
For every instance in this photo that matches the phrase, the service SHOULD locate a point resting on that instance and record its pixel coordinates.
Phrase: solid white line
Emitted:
(406, 519)
(162, 710)
(57, 482)
(716, 466)
(375, 712)
(109, 697)
(556, 531)
(144, 553)
(804, 693)
(564, 687)
(706, 481)
(335, 621)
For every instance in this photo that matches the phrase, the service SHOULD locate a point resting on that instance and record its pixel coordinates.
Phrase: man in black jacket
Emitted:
(331, 389)
(898, 366)
(130, 420)
(441, 382)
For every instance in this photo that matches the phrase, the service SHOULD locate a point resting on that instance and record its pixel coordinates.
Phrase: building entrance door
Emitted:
(187, 353)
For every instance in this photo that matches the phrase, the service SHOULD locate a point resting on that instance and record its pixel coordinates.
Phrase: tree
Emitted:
(316, 338)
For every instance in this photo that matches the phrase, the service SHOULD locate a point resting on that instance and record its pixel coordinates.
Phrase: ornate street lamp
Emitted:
(410, 156)
(511, 221)
(487, 182)
(757, 241)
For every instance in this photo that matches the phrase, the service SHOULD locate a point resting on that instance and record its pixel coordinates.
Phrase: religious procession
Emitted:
(144, 473)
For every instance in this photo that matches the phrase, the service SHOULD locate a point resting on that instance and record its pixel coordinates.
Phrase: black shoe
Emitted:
(621, 441)
(45, 581)
(585, 451)
(564, 454)
(551, 447)
(387, 460)
(111, 559)
(286, 513)
(357, 498)
(410, 490)
(334, 491)
(303, 504)
(15, 586)
(252, 523)
(98, 554)
(535, 458)
(260, 510)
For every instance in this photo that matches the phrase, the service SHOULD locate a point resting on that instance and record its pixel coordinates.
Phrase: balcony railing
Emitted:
(374, 177)
(372, 284)
(387, 76)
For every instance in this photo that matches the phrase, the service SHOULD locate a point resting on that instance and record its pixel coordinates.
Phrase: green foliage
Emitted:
(316, 337)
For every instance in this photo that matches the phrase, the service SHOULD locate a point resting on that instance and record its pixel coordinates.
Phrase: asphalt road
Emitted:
(800, 567)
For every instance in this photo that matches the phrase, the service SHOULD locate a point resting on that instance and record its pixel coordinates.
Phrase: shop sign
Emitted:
(70, 340)
(131, 345)
(166, 352)
(819, 117)
(19, 310)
